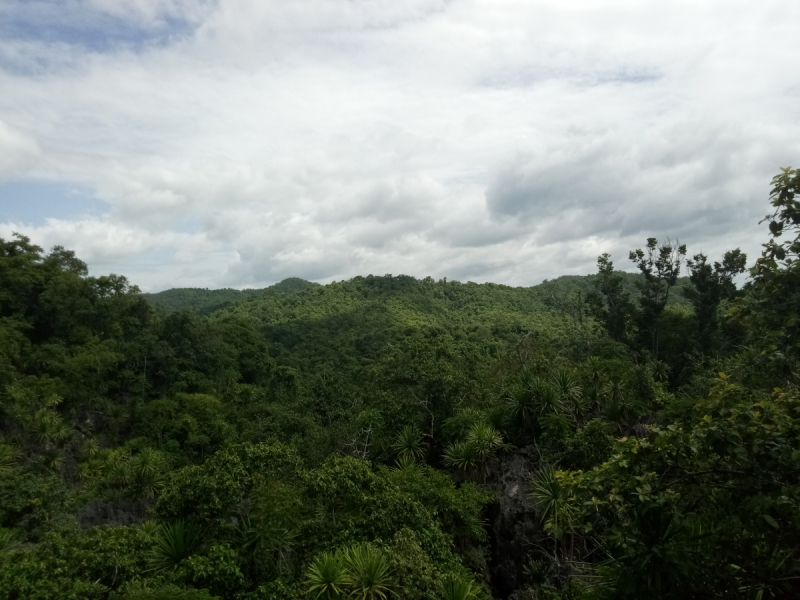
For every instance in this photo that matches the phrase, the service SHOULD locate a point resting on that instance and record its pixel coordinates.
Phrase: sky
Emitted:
(234, 143)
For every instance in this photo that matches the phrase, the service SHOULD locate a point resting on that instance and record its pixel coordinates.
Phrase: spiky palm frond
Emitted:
(549, 400)
(593, 398)
(615, 389)
(173, 543)
(47, 426)
(147, 486)
(147, 462)
(498, 417)
(146, 471)
(91, 447)
(485, 438)
(8, 540)
(367, 573)
(118, 472)
(8, 457)
(409, 443)
(550, 497)
(150, 528)
(565, 382)
(403, 464)
(326, 577)
(53, 459)
(84, 470)
(246, 534)
(459, 588)
(522, 403)
(659, 370)
(461, 455)
(597, 368)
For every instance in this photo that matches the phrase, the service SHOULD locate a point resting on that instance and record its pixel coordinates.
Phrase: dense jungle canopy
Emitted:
(620, 435)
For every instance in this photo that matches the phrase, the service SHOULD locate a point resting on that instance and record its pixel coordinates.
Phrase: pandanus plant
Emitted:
(8, 457)
(551, 498)
(459, 588)
(361, 572)
(462, 456)
(481, 443)
(174, 543)
(326, 577)
(409, 444)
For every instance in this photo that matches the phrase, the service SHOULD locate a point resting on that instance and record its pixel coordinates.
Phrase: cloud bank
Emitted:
(239, 142)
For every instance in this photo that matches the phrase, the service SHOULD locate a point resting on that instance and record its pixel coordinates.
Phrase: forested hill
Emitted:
(353, 323)
(204, 301)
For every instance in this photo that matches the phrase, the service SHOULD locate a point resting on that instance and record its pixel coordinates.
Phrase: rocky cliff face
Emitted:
(513, 523)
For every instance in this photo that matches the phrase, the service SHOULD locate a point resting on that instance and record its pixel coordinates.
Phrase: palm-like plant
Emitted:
(83, 470)
(551, 499)
(174, 543)
(459, 588)
(485, 438)
(659, 369)
(461, 455)
(48, 426)
(569, 390)
(593, 398)
(597, 368)
(246, 535)
(522, 403)
(326, 577)
(404, 464)
(549, 400)
(150, 528)
(118, 470)
(53, 459)
(497, 417)
(8, 540)
(8, 456)
(615, 389)
(146, 473)
(91, 447)
(409, 443)
(367, 573)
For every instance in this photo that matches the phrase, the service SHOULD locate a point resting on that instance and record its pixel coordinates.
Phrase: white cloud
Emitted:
(505, 141)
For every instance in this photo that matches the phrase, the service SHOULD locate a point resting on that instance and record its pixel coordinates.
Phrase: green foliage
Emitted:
(74, 564)
(8, 458)
(169, 592)
(589, 446)
(174, 543)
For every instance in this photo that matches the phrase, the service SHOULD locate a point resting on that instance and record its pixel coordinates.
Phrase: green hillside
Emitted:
(204, 301)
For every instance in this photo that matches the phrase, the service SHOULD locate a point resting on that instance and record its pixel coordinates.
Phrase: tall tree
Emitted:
(609, 302)
(770, 309)
(660, 266)
(710, 286)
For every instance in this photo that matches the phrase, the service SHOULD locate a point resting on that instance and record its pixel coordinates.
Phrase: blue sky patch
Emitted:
(81, 25)
(32, 203)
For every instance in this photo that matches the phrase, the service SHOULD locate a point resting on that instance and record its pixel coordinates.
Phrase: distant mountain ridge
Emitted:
(204, 301)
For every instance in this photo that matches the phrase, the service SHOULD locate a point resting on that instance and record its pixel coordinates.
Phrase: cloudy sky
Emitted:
(233, 143)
